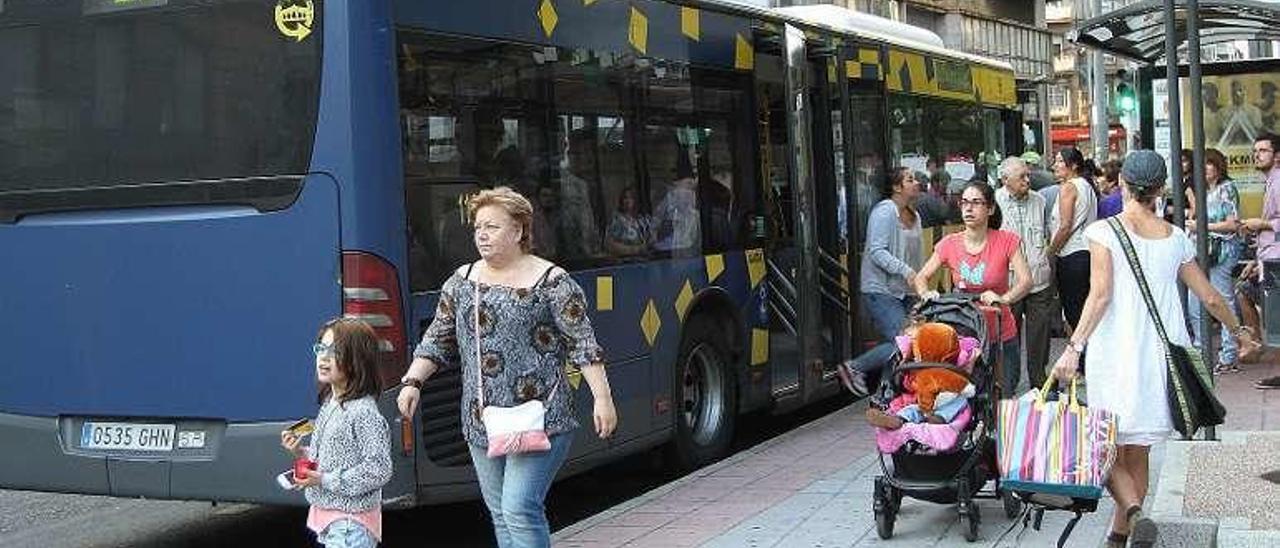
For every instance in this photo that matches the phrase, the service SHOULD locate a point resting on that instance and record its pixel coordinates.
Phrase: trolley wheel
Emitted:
(971, 518)
(882, 504)
(704, 390)
(1012, 505)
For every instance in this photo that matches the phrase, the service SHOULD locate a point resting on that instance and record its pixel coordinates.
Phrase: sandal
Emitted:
(1142, 529)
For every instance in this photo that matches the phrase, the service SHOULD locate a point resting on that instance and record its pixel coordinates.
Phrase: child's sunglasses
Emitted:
(323, 350)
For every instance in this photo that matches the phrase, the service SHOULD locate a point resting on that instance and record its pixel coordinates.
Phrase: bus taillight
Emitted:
(371, 292)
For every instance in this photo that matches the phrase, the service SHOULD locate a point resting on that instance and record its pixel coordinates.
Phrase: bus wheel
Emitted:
(705, 396)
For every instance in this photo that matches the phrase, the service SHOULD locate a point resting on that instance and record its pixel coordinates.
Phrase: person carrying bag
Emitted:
(1192, 404)
(1136, 262)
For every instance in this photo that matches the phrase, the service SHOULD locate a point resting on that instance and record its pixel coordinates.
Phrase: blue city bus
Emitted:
(189, 188)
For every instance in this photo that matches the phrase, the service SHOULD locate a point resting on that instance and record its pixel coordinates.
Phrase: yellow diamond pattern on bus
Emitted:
(684, 299)
(690, 23)
(573, 375)
(715, 267)
(650, 323)
(548, 17)
(755, 266)
(638, 34)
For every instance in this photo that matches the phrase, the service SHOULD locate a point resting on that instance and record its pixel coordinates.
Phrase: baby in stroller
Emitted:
(932, 406)
(932, 415)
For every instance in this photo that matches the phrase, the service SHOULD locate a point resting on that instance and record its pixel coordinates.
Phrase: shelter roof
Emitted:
(1137, 32)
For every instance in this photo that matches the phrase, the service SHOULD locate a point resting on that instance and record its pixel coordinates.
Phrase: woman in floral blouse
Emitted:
(532, 321)
(1222, 202)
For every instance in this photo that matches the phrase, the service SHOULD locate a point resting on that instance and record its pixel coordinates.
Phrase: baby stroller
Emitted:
(956, 476)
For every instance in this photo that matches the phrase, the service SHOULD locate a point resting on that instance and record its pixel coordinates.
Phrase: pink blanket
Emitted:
(941, 437)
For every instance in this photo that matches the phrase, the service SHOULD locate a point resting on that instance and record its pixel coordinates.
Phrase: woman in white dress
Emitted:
(1115, 321)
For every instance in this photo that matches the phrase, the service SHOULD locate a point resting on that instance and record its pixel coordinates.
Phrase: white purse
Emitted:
(511, 430)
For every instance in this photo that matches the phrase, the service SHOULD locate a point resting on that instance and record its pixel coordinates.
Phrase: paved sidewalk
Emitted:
(812, 487)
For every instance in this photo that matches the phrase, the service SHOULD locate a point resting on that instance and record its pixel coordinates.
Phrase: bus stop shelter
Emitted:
(1173, 32)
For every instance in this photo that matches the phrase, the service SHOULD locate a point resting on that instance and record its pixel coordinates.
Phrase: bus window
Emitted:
(201, 91)
(867, 107)
(473, 116)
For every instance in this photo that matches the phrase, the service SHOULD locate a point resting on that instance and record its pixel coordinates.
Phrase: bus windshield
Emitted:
(113, 93)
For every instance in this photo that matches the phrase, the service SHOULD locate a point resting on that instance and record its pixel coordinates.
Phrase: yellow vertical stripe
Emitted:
(759, 346)
(604, 293)
(744, 56)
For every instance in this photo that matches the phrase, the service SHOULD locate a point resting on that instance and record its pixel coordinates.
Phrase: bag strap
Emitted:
(475, 305)
(1123, 235)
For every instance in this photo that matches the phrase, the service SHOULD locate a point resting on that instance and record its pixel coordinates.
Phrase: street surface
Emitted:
(45, 520)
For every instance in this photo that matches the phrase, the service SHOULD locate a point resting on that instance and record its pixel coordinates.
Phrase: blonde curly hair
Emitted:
(512, 202)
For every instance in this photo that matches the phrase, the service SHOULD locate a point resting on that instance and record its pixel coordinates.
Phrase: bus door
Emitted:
(795, 346)
(831, 226)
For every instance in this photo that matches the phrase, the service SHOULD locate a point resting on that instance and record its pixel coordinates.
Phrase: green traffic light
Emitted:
(1127, 103)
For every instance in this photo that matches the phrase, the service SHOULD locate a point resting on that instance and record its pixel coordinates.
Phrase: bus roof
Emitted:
(842, 21)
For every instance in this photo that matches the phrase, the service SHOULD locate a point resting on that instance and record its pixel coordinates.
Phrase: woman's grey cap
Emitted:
(1144, 168)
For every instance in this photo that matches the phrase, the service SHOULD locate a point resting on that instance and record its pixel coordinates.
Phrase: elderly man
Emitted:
(1023, 210)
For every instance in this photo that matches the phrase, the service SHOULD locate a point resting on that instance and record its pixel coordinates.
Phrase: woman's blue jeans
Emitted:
(889, 315)
(515, 487)
(1221, 280)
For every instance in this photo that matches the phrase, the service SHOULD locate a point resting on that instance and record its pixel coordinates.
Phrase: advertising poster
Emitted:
(1237, 108)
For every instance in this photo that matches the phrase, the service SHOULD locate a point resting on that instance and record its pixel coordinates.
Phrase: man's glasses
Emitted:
(323, 350)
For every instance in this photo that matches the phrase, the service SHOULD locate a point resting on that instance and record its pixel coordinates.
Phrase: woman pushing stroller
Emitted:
(980, 259)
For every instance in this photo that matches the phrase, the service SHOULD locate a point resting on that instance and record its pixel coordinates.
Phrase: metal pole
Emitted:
(1098, 90)
(1175, 116)
(1197, 168)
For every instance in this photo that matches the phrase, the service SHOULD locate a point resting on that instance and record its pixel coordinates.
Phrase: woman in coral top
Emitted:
(980, 259)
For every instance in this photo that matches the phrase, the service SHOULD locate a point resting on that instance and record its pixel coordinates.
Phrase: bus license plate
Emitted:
(127, 436)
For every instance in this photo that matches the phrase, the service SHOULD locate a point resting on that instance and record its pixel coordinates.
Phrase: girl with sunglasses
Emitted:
(350, 445)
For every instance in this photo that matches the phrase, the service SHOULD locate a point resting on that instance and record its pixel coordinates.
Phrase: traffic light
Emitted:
(1126, 100)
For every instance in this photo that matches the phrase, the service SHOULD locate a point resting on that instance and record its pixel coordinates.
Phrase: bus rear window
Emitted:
(108, 94)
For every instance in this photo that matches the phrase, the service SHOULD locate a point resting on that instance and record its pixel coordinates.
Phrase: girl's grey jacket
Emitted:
(352, 447)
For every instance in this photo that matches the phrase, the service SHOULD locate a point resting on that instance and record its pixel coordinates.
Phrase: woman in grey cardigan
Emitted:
(889, 262)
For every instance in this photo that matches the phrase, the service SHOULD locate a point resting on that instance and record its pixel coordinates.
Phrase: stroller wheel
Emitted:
(970, 519)
(884, 525)
(884, 507)
(1012, 506)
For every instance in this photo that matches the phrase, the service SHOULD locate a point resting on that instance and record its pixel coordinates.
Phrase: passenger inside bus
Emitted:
(576, 226)
(630, 230)
(677, 220)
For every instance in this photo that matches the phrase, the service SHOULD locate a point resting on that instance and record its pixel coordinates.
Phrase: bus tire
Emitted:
(704, 396)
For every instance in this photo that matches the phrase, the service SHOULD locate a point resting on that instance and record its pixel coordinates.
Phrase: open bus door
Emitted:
(803, 268)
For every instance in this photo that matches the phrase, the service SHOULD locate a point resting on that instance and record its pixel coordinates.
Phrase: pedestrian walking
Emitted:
(350, 446)
(889, 262)
(1126, 361)
(980, 259)
(1267, 226)
(1222, 206)
(1077, 208)
(1023, 212)
(512, 321)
